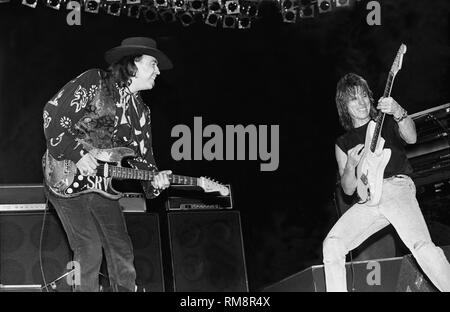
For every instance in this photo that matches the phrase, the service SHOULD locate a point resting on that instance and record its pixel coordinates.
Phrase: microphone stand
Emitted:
(53, 283)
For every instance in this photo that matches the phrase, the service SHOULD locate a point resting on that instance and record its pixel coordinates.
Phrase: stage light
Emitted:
(30, 3)
(149, 13)
(167, 16)
(244, 22)
(134, 11)
(186, 19)
(249, 8)
(114, 8)
(229, 21)
(286, 4)
(289, 16)
(289, 4)
(179, 5)
(4, 1)
(232, 7)
(133, 2)
(161, 4)
(199, 17)
(92, 6)
(307, 12)
(213, 19)
(324, 6)
(54, 4)
(215, 6)
(252, 10)
(342, 3)
(289, 11)
(196, 5)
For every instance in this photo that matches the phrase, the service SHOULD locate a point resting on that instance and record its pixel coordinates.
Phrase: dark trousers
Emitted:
(92, 222)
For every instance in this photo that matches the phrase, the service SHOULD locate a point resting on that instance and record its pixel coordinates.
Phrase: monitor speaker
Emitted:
(20, 241)
(21, 262)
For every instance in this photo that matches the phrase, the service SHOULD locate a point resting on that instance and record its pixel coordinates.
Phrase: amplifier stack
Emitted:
(194, 244)
(430, 159)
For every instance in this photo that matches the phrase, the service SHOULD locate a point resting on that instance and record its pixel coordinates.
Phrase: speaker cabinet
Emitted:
(20, 264)
(207, 251)
(20, 241)
(143, 229)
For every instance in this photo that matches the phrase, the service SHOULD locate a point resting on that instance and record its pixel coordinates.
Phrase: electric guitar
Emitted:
(63, 178)
(374, 160)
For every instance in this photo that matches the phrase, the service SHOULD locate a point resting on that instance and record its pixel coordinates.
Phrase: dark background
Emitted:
(272, 74)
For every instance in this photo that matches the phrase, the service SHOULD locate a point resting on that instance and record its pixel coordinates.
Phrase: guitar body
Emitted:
(370, 170)
(63, 178)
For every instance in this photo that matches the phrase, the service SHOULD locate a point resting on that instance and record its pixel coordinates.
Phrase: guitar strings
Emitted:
(150, 175)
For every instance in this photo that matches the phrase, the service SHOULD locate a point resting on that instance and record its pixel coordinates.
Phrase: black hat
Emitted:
(138, 45)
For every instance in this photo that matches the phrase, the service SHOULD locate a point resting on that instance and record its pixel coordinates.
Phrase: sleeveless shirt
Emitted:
(398, 163)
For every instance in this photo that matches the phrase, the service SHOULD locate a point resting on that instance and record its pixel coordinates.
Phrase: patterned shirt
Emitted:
(83, 111)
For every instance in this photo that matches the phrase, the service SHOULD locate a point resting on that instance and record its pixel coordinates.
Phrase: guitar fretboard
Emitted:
(381, 115)
(137, 174)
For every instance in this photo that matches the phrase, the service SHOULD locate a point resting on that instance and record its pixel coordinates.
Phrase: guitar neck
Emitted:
(137, 174)
(381, 115)
(389, 83)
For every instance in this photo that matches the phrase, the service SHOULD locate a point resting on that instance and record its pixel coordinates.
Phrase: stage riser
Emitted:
(384, 275)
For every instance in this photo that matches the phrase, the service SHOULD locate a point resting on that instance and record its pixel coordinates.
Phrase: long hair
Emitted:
(345, 90)
(120, 73)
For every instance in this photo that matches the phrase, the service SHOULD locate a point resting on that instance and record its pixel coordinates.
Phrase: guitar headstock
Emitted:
(210, 186)
(397, 65)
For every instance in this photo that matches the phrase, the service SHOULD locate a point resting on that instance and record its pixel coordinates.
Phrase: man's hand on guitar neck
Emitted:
(161, 180)
(390, 106)
(87, 165)
(406, 125)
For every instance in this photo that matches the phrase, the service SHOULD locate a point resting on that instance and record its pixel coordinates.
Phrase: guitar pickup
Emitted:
(364, 179)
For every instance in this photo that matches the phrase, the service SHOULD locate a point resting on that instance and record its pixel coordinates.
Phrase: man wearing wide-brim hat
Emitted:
(101, 110)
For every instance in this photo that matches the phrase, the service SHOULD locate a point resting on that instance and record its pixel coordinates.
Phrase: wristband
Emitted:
(403, 116)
